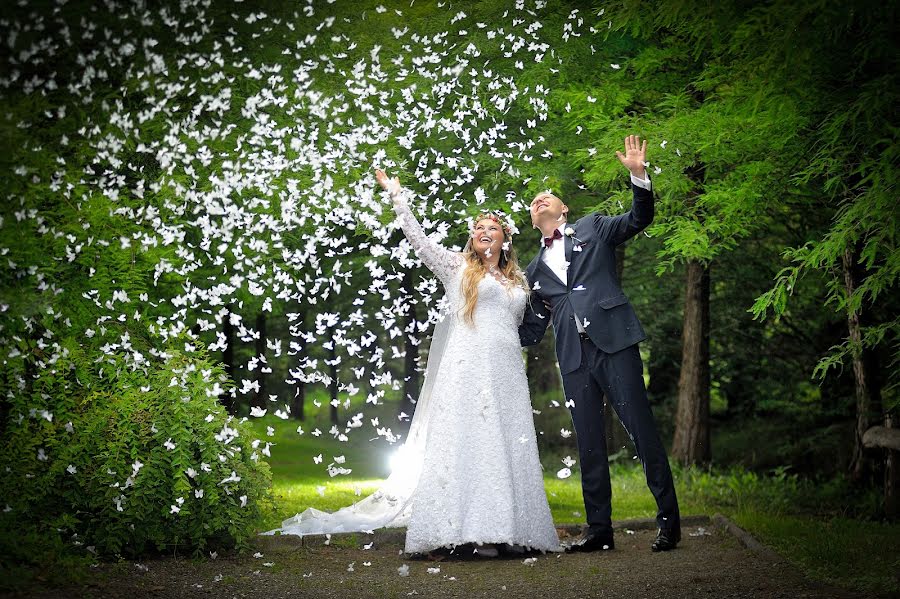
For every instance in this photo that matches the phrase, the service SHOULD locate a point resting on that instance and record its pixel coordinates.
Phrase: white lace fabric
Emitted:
(472, 473)
(439, 260)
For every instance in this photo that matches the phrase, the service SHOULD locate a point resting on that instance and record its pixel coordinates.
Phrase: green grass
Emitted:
(853, 553)
(297, 480)
(805, 522)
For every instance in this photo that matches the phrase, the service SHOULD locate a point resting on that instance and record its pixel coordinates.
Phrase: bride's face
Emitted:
(487, 236)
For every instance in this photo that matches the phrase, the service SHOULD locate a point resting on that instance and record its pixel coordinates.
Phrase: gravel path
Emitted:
(711, 561)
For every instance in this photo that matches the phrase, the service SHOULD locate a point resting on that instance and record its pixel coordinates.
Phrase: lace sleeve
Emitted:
(441, 261)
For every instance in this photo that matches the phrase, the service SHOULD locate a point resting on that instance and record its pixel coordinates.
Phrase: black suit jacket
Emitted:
(592, 291)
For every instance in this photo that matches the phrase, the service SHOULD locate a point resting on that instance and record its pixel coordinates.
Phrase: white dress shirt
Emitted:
(555, 255)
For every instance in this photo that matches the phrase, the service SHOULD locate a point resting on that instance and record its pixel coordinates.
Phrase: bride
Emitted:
(470, 471)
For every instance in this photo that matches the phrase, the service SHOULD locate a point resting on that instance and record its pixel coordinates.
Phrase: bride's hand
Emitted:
(392, 186)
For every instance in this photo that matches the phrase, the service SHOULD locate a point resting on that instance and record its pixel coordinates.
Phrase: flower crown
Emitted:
(497, 218)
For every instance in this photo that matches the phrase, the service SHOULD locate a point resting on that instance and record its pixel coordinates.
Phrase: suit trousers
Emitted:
(620, 376)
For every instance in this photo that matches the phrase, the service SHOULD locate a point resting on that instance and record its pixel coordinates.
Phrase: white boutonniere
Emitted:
(570, 232)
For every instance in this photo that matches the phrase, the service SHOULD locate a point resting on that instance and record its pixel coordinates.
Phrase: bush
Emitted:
(144, 459)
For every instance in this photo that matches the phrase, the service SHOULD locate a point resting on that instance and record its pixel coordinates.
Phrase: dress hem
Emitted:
(501, 541)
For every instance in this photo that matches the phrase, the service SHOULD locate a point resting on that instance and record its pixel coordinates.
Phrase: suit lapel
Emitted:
(546, 269)
(567, 241)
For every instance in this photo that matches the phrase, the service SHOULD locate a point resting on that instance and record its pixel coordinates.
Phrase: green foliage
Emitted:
(29, 554)
(741, 489)
(851, 153)
(142, 460)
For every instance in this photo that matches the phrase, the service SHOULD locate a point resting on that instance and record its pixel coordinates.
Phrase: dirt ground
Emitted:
(710, 561)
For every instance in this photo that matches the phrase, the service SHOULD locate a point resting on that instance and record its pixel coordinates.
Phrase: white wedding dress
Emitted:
(470, 471)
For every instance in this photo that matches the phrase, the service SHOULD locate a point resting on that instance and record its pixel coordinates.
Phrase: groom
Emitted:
(597, 332)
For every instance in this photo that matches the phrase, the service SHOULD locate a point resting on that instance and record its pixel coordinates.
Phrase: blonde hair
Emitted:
(475, 271)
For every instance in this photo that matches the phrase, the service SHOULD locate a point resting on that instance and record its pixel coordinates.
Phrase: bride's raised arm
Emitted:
(441, 261)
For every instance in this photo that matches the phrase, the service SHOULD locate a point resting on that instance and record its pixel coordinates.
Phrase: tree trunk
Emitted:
(887, 438)
(227, 398)
(891, 475)
(333, 385)
(541, 367)
(260, 399)
(691, 443)
(860, 465)
(298, 407)
(411, 352)
(367, 385)
(616, 435)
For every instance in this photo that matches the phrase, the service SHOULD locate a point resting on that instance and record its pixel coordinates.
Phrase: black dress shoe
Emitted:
(591, 541)
(666, 539)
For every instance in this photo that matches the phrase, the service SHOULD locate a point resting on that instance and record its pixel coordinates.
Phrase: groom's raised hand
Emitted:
(635, 155)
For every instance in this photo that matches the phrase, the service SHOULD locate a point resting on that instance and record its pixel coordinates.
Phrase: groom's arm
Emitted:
(619, 229)
(534, 322)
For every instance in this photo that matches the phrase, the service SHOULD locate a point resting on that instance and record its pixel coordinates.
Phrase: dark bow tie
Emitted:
(548, 241)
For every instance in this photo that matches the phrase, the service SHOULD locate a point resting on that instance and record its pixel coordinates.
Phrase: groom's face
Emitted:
(547, 208)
